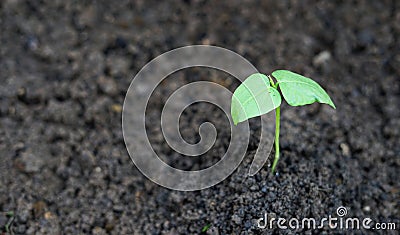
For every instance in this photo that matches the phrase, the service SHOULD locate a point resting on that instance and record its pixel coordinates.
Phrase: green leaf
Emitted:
(299, 90)
(254, 97)
(205, 228)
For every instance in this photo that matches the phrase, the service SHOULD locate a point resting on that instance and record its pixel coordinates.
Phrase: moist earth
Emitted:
(65, 69)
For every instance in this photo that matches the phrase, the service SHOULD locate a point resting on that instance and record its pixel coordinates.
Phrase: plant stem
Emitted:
(277, 124)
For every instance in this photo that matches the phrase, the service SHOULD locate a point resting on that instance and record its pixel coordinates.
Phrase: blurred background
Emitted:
(65, 67)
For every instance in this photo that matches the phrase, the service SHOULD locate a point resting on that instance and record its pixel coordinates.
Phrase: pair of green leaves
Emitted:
(258, 95)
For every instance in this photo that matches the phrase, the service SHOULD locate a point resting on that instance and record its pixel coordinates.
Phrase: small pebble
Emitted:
(322, 58)
(247, 224)
(237, 219)
(345, 149)
(254, 188)
(264, 189)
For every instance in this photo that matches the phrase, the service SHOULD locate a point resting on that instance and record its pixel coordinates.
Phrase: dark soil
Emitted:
(66, 66)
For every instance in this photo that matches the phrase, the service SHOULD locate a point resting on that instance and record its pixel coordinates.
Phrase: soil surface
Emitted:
(65, 68)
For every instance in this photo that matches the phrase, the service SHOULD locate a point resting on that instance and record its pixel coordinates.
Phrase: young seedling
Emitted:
(259, 94)
(205, 228)
(9, 214)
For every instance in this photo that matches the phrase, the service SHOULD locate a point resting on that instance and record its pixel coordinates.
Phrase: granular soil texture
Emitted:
(65, 67)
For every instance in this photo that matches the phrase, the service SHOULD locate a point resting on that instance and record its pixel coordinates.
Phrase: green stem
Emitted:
(277, 121)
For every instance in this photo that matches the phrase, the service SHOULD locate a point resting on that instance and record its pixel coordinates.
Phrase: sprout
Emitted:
(259, 94)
